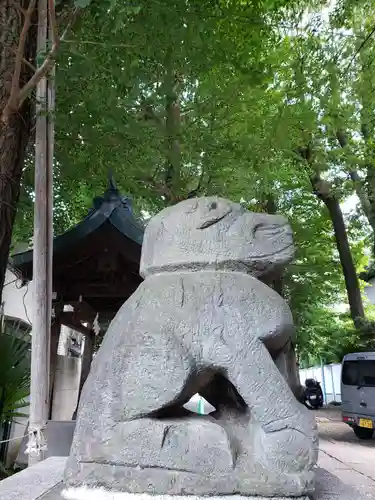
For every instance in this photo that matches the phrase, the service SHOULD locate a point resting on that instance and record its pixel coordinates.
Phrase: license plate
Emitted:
(313, 397)
(365, 422)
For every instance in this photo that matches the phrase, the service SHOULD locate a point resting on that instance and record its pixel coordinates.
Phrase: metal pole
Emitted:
(323, 381)
(42, 259)
(333, 384)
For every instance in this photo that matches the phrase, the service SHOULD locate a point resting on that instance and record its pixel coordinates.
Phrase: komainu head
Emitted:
(215, 234)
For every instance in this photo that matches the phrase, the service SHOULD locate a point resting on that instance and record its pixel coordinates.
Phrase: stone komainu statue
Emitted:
(201, 322)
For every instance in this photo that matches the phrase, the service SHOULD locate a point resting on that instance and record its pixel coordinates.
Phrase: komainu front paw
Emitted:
(288, 450)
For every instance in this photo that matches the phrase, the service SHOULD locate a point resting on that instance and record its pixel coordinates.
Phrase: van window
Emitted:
(359, 372)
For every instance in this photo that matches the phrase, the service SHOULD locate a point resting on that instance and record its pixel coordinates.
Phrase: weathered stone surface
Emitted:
(212, 233)
(202, 321)
(33, 482)
(154, 443)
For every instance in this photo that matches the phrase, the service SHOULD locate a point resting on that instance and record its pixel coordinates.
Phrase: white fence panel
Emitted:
(329, 377)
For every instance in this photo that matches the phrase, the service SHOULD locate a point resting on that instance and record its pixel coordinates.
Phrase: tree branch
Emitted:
(159, 187)
(195, 192)
(49, 60)
(149, 113)
(12, 104)
(17, 96)
(53, 23)
(69, 24)
(102, 44)
(360, 47)
(25, 61)
(342, 139)
(362, 195)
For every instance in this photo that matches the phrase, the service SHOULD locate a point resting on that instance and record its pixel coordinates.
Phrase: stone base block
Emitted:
(33, 482)
(44, 482)
(98, 494)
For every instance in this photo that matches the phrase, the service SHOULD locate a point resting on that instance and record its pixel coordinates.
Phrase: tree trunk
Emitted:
(172, 131)
(15, 135)
(323, 191)
(370, 185)
(270, 207)
(287, 359)
(365, 189)
(346, 259)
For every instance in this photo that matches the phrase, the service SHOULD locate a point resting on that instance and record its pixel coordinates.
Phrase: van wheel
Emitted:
(363, 433)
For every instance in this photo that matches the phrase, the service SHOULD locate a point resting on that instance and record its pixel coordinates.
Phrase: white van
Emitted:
(358, 393)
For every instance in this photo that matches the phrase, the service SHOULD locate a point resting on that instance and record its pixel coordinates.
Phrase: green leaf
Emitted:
(14, 371)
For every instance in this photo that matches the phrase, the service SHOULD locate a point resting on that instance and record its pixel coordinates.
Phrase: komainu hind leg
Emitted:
(283, 433)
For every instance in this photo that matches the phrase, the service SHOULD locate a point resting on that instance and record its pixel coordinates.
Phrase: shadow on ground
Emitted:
(330, 487)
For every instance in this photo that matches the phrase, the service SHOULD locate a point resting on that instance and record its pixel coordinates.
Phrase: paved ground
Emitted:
(349, 461)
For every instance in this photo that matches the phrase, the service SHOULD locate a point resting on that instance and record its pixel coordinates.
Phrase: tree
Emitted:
(15, 127)
(20, 71)
(168, 91)
(312, 115)
(174, 119)
(302, 102)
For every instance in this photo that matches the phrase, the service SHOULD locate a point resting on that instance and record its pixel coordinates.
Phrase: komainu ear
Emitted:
(209, 211)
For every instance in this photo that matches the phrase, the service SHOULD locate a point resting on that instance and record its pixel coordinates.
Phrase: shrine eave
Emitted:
(111, 209)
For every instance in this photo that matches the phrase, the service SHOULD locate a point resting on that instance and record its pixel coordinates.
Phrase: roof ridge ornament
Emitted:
(113, 190)
(111, 181)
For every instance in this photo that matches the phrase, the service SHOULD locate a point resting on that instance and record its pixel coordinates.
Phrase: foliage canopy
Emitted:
(189, 98)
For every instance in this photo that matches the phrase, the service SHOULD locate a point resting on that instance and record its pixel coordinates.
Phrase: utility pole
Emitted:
(43, 246)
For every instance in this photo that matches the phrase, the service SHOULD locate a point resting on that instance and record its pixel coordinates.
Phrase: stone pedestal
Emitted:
(44, 482)
(35, 482)
(85, 494)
